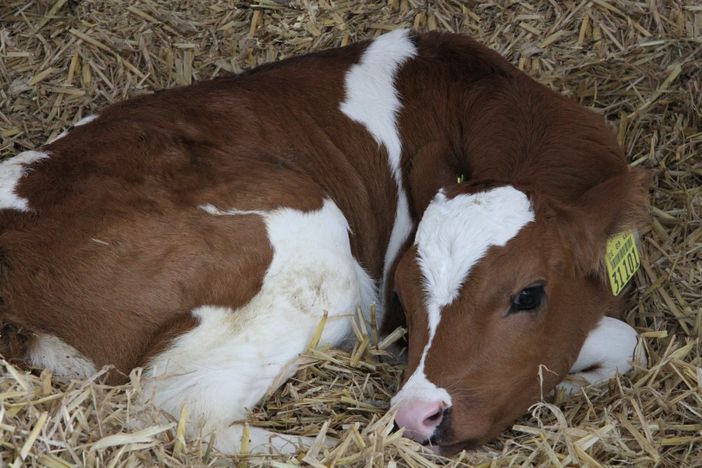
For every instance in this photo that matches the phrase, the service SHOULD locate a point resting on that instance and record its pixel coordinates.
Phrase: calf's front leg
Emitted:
(610, 348)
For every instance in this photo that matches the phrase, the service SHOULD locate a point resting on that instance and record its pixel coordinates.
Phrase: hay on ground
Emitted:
(638, 63)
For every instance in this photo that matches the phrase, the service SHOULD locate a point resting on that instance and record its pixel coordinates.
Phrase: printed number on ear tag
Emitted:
(622, 260)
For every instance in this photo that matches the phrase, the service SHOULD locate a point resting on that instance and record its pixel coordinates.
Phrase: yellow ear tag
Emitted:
(622, 260)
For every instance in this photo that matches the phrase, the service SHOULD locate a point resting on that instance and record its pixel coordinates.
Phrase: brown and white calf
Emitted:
(202, 232)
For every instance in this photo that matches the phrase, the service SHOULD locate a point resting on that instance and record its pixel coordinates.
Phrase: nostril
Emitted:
(435, 418)
(420, 418)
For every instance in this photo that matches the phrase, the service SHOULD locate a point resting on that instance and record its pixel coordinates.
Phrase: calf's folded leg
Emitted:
(221, 368)
(225, 364)
(609, 349)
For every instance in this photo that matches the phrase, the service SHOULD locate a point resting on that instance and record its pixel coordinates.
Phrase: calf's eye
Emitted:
(528, 298)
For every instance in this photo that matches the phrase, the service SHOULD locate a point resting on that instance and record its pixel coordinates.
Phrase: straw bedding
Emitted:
(637, 62)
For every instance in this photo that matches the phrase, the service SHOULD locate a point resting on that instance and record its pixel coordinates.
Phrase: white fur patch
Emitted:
(372, 100)
(609, 349)
(453, 235)
(85, 120)
(223, 367)
(62, 359)
(57, 137)
(11, 171)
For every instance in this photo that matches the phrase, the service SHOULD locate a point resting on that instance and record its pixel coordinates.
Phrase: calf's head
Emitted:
(499, 290)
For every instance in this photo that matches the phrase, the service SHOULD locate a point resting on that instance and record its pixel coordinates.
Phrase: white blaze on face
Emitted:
(11, 171)
(372, 100)
(453, 235)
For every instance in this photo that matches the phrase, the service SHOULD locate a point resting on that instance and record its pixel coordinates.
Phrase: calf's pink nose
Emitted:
(419, 418)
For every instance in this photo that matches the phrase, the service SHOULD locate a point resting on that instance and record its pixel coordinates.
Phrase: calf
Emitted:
(203, 232)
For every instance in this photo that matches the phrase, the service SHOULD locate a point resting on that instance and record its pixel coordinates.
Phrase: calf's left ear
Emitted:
(613, 206)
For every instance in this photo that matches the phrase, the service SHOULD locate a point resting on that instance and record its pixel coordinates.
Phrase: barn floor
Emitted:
(639, 63)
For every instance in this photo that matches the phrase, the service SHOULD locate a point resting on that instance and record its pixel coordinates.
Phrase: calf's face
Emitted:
(499, 291)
